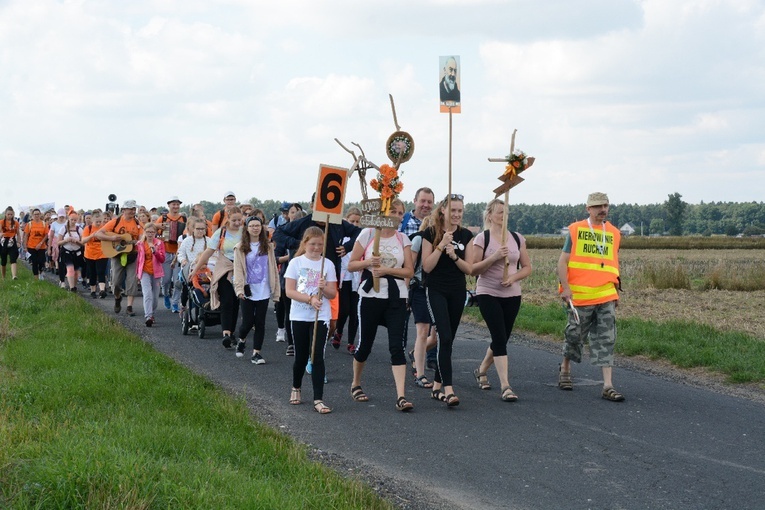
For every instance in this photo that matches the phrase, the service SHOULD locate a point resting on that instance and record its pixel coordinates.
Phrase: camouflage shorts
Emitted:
(598, 322)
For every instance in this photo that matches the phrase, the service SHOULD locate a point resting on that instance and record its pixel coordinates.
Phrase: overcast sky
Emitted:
(148, 99)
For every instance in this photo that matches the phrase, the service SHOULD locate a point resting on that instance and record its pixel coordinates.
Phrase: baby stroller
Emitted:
(197, 314)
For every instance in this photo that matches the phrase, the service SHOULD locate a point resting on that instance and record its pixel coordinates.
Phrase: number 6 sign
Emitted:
(330, 194)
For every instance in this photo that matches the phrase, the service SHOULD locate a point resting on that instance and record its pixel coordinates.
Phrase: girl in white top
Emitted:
(392, 266)
(256, 281)
(71, 251)
(188, 252)
(307, 285)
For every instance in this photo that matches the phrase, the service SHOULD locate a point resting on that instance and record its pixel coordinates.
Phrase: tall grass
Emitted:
(92, 417)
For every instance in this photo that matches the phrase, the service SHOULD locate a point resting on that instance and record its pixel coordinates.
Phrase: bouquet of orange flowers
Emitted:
(388, 184)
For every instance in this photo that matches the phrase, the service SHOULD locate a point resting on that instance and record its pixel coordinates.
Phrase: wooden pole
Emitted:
(448, 214)
(321, 274)
(504, 212)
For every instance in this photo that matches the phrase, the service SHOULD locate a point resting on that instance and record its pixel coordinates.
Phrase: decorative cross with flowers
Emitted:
(516, 162)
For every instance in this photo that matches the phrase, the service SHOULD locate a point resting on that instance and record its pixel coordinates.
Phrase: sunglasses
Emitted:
(253, 218)
(456, 196)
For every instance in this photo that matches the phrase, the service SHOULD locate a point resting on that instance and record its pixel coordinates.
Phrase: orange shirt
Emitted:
(132, 227)
(92, 247)
(10, 228)
(219, 219)
(148, 263)
(37, 233)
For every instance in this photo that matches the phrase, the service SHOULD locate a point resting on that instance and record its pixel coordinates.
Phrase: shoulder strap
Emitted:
(222, 237)
(405, 221)
(517, 242)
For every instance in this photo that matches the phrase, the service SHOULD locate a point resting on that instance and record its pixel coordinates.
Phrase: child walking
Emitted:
(151, 255)
(307, 285)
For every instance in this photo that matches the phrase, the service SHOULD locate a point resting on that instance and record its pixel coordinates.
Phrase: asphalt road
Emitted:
(670, 445)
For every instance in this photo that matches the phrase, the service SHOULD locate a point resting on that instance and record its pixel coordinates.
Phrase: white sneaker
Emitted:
(280, 334)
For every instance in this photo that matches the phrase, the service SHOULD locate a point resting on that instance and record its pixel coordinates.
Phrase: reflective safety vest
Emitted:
(593, 265)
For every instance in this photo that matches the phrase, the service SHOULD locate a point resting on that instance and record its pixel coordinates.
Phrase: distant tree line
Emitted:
(673, 217)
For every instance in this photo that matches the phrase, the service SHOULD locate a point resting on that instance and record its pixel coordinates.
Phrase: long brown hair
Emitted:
(262, 237)
(438, 220)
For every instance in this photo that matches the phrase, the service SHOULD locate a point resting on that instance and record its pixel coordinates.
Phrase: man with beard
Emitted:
(449, 91)
(588, 270)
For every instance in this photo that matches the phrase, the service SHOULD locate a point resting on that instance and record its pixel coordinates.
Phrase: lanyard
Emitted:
(601, 247)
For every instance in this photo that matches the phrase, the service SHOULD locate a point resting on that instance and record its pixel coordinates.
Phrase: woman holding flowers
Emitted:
(392, 265)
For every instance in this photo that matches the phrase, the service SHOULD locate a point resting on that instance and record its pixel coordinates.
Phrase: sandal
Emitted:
(508, 395)
(452, 400)
(358, 395)
(295, 397)
(438, 395)
(320, 407)
(422, 382)
(482, 379)
(564, 379)
(611, 394)
(402, 404)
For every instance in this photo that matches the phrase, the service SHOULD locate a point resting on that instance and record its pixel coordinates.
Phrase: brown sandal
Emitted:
(482, 379)
(611, 394)
(295, 397)
(508, 395)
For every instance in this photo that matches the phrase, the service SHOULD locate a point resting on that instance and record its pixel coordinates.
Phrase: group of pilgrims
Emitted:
(242, 260)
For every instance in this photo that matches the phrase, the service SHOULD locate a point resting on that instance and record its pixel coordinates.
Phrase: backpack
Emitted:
(487, 236)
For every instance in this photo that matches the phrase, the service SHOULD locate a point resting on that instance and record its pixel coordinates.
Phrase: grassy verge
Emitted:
(740, 357)
(92, 417)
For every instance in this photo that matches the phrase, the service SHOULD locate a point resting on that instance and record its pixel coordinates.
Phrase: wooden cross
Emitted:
(510, 178)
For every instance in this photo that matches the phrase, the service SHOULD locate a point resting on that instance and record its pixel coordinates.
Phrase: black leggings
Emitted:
(499, 314)
(392, 315)
(280, 311)
(302, 334)
(96, 271)
(349, 311)
(254, 313)
(445, 312)
(229, 305)
(37, 258)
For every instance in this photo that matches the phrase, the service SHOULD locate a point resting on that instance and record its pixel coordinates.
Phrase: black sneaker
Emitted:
(149, 322)
(290, 350)
(130, 311)
(102, 294)
(227, 341)
(257, 359)
(93, 295)
(117, 304)
(240, 349)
